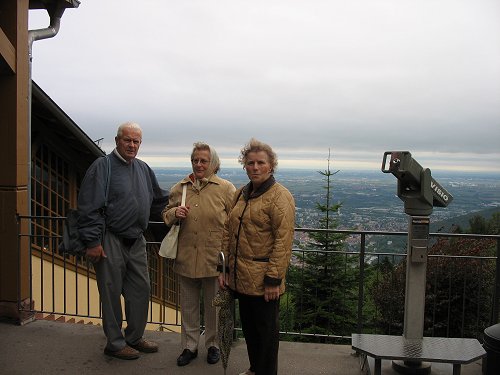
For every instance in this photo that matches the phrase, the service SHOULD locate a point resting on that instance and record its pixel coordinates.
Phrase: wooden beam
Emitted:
(7, 51)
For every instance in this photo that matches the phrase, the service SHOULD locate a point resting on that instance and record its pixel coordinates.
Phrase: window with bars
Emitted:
(170, 282)
(50, 192)
(164, 284)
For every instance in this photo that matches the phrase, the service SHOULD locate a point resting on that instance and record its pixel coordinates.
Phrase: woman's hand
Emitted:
(181, 212)
(223, 283)
(271, 293)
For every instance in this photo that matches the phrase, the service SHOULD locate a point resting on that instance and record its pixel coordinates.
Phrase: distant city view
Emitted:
(369, 200)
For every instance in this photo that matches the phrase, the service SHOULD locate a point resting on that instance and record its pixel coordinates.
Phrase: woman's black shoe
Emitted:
(186, 357)
(213, 355)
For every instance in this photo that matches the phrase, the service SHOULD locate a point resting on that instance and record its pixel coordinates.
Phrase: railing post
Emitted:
(361, 281)
(496, 293)
(18, 275)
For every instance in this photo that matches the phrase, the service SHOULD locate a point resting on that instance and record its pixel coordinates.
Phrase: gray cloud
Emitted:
(359, 77)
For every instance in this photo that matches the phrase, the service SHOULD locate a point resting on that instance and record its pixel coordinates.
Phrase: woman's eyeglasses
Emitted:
(200, 161)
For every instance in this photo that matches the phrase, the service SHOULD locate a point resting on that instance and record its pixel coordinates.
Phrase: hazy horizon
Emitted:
(443, 172)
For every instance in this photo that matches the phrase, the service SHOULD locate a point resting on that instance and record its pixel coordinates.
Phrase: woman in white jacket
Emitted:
(208, 202)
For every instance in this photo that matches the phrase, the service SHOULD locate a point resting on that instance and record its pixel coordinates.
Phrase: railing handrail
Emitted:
(361, 252)
(396, 233)
(322, 230)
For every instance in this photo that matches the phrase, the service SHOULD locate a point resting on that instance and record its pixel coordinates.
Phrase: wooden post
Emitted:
(14, 132)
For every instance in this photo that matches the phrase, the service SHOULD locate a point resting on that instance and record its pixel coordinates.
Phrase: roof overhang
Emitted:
(49, 119)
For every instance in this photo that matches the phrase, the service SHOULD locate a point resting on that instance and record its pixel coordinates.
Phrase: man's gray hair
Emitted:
(128, 125)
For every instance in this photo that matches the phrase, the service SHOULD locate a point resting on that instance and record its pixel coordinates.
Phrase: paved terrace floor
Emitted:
(49, 347)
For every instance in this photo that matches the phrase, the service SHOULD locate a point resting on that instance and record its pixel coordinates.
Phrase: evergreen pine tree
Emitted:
(322, 280)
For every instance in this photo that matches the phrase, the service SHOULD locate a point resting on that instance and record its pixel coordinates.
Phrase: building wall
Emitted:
(66, 294)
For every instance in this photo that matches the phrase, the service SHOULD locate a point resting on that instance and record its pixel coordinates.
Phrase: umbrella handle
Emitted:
(222, 259)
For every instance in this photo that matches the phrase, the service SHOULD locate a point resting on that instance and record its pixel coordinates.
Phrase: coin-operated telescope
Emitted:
(420, 193)
(416, 188)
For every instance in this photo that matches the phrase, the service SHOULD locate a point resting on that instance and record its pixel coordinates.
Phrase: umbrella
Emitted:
(224, 299)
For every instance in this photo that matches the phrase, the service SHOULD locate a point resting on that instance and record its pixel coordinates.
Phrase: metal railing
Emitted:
(371, 283)
(462, 284)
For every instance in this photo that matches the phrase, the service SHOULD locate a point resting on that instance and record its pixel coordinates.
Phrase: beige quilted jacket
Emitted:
(201, 233)
(258, 238)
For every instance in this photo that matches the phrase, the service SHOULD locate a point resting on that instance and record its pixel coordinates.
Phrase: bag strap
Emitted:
(108, 178)
(183, 199)
(238, 197)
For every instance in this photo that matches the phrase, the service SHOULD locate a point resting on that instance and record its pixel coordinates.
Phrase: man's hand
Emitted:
(95, 254)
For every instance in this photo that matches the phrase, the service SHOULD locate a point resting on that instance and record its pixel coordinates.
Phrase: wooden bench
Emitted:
(428, 349)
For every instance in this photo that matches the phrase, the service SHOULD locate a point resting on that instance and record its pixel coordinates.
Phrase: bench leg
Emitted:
(456, 368)
(378, 366)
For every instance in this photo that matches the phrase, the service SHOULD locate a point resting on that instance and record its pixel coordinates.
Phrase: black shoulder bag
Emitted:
(71, 243)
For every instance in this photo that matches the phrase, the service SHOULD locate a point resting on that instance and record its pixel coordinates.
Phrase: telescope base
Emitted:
(412, 367)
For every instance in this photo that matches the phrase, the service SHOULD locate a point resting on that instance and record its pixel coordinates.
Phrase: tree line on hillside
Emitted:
(460, 284)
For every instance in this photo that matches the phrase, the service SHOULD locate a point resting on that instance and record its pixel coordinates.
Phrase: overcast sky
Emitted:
(358, 77)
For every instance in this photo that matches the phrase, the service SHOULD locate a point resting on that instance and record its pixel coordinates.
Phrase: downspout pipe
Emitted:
(55, 14)
(49, 32)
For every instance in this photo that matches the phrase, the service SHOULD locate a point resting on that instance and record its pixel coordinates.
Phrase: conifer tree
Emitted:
(322, 279)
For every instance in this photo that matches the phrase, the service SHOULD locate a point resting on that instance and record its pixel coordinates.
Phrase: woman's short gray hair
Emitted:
(214, 164)
(255, 146)
(128, 125)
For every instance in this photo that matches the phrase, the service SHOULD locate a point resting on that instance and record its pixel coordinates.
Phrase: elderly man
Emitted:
(114, 207)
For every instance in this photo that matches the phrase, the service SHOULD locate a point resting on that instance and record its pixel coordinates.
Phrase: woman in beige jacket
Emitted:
(258, 244)
(208, 202)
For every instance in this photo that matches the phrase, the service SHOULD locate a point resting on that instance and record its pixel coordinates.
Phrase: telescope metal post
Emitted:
(416, 267)
(420, 193)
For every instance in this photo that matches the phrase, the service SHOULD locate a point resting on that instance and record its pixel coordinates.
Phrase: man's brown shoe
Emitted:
(145, 346)
(124, 353)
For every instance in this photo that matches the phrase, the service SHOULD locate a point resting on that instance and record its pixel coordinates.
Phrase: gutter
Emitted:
(55, 13)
